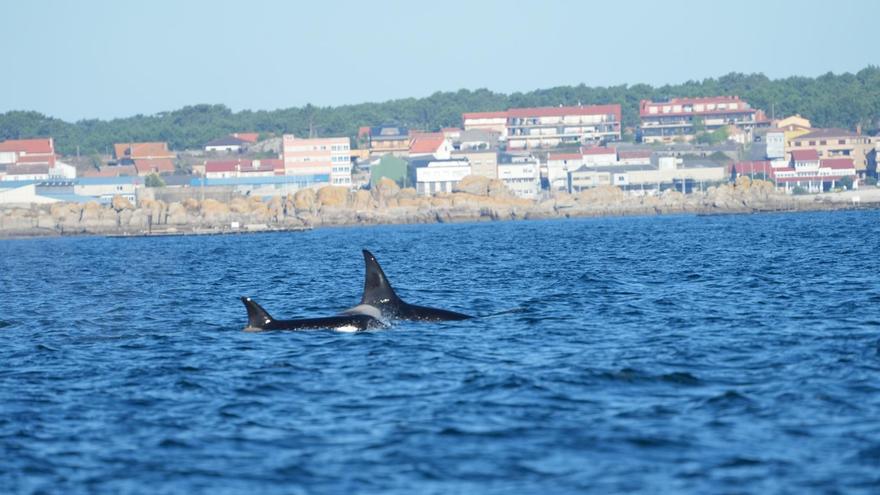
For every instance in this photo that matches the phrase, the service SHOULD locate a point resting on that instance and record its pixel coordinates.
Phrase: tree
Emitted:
(846, 182)
(153, 180)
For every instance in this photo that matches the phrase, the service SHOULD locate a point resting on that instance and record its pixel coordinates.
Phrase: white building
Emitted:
(521, 174)
(441, 176)
(599, 156)
(559, 165)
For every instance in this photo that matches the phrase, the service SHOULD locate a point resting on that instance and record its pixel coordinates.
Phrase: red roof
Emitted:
(37, 158)
(142, 150)
(484, 115)
(116, 171)
(251, 137)
(754, 167)
(150, 166)
(838, 163)
(599, 150)
(564, 156)
(426, 143)
(30, 146)
(809, 155)
(623, 155)
(363, 131)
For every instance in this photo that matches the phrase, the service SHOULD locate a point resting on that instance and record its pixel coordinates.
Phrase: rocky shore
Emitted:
(474, 199)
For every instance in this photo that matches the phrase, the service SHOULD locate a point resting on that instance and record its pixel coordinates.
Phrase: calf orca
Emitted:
(380, 297)
(379, 304)
(259, 319)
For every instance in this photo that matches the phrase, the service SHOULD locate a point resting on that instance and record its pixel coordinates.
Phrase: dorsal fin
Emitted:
(377, 288)
(257, 316)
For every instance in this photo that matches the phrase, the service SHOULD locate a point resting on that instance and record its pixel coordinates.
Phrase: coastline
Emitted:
(387, 204)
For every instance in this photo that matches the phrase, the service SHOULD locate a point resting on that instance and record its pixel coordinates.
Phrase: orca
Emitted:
(379, 304)
(259, 320)
(380, 301)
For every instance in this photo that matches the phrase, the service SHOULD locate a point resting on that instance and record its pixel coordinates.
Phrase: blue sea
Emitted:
(675, 354)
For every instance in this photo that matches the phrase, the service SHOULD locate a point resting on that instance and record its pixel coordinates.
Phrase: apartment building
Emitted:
(318, 157)
(483, 162)
(836, 143)
(521, 175)
(548, 127)
(679, 119)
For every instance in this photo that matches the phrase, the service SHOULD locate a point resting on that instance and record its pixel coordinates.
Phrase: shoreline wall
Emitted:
(474, 199)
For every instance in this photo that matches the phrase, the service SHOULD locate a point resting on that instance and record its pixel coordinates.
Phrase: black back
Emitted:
(259, 319)
(379, 293)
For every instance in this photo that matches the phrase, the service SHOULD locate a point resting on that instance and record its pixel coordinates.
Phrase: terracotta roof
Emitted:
(598, 150)
(30, 146)
(805, 155)
(827, 133)
(426, 143)
(116, 171)
(838, 163)
(634, 154)
(36, 158)
(142, 150)
(27, 169)
(564, 156)
(754, 167)
(484, 115)
(250, 137)
(149, 166)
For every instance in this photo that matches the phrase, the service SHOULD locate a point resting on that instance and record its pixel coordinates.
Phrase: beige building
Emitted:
(836, 143)
(482, 162)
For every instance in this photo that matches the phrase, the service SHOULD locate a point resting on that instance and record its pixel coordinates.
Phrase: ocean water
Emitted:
(678, 354)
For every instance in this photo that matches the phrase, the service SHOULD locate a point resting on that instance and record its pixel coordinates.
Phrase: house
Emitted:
(39, 151)
(224, 169)
(836, 143)
(112, 171)
(226, 144)
(547, 127)
(477, 139)
(559, 165)
(634, 157)
(599, 155)
(521, 175)
(811, 173)
(483, 162)
(315, 157)
(386, 139)
(793, 126)
(667, 173)
(147, 158)
(433, 144)
(27, 172)
(679, 119)
(433, 176)
(247, 137)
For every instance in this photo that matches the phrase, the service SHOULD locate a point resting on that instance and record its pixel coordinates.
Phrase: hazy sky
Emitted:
(86, 59)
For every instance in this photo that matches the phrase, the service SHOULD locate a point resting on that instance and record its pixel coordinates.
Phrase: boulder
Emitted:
(214, 212)
(333, 196)
(119, 203)
(304, 200)
(384, 190)
(362, 200)
(473, 184)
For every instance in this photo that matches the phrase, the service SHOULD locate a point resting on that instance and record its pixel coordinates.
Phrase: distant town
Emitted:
(683, 144)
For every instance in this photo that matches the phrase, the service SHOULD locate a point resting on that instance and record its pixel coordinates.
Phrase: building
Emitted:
(433, 176)
(634, 157)
(811, 173)
(318, 157)
(226, 144)
(147, 158)
(599, 155)
(391, 167)
(521, 175)
(836, 143)
(39, 151)
(559, 166)
(385, 139)
(547, 127)
(247, 137)
(483, 162)
(679, 119)
(476, 139)
(225, 169)
(793, 126)
(430, 144)
(667, 173)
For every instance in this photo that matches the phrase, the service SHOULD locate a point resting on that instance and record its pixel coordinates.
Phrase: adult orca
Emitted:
(379, 297)
(378, 305)
(259, 319)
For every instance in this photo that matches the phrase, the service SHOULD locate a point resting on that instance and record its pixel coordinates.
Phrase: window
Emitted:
(812, 143)
(822, 143)
(841, 141)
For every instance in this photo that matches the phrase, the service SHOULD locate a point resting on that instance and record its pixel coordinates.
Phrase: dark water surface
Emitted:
(736, 354)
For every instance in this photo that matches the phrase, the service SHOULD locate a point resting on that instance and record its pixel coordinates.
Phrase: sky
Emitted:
(106, 59)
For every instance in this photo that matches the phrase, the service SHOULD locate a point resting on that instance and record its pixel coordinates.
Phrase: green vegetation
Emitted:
(717, 136)
(846, 182)
(153, 180)
(798, 191)
(830, 100)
